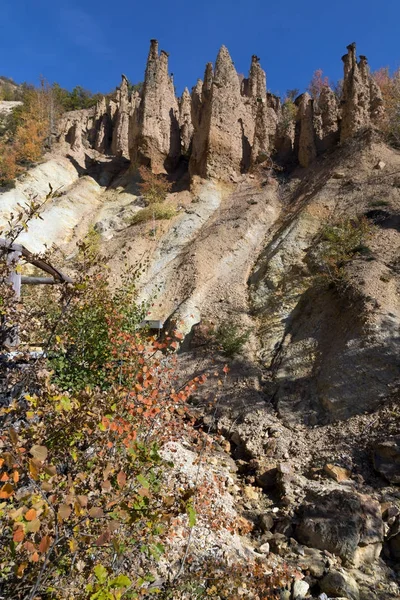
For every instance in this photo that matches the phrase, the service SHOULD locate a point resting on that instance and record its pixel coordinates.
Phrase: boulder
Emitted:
(344, 523)
(386, 458)
(339, 584)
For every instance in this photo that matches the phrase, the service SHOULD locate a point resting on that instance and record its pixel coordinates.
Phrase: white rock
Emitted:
(300, 589)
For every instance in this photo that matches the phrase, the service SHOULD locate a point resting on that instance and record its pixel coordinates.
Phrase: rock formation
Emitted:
(154, 138)
(219, 131)
(307, 151)
(103, 126)
(326, 119)
(119, 146)
(362, 103)
(230, 120)
(185, 122)
(227, 125)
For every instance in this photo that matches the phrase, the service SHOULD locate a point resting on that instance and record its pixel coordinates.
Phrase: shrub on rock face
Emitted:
(231, 338)
(155, 212)
(153, 187)
(337, 245)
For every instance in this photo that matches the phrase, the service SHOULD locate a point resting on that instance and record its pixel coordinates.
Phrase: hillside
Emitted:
(284, 226)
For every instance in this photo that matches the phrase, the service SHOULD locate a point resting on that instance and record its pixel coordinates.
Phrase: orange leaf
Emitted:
(19, 535)
(6, 491)
(15, 476)
(20, 569)
(44, 544)
(35, 557)
(121, 479)
(4, 477)
(29, 547)
(30, 515)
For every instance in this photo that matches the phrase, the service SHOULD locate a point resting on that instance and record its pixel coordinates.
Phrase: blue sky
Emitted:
(91, 42)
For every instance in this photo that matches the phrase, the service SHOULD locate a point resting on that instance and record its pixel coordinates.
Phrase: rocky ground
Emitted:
(309, 412)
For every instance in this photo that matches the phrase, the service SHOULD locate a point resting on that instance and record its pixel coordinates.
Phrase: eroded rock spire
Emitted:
(155, 139)
(362, 103)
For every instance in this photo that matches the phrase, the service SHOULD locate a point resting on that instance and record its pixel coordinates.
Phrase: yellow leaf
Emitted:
(33, 469)
(33, 526)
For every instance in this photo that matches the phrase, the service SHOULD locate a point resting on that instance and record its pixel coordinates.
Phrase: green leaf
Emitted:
(191, 514)
(143, 481)
(100, 573)
(122, 581)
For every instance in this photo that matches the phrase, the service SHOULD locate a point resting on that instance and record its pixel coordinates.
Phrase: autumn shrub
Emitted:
(153, 187)
(155, 212)
(9, 168)
(220, 581)
(82, 505)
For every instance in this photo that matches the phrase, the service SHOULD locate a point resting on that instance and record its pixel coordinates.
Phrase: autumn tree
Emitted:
(317, 83)
(389, 85)
(30, 131)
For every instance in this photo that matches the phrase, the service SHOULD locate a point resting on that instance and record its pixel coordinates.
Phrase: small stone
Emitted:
(300, 589)
(323, 597)
(338, 175)
(264, 548)
(226, 446)
(337, 473)
(275, 509)
(380, 165)
(386, 459)
(250, 492)
(266, 522)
